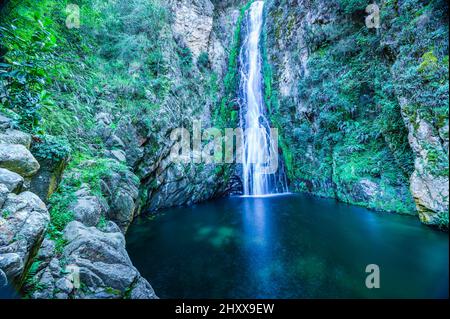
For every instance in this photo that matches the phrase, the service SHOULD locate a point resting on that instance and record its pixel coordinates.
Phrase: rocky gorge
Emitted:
(86, 115)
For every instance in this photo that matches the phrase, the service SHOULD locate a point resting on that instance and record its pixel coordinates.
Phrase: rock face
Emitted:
(429, 184)
(95, 258)
(23, 223)
(193, 21)
(378, 139)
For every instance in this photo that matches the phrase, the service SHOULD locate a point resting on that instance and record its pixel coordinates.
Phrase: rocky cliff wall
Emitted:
(363, 111)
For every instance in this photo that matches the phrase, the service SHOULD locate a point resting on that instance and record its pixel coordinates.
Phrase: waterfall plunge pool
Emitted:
(292, 246)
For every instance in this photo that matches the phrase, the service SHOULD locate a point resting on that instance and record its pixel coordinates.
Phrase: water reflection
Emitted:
(258, 243)
(287, 247)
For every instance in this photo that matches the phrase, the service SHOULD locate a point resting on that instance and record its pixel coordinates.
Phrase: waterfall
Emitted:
(259, 153)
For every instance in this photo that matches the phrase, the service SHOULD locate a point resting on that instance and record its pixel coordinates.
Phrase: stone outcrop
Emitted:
(193, 21)
(429, 185)
(17, 158)
(23, 222)
(24, 218)
(97, 259)
(94, 262)
(307, 42)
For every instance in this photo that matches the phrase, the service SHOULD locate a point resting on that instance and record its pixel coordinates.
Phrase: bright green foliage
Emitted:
(224, 117)
(29, 63)
(81, 171)
(51, 147)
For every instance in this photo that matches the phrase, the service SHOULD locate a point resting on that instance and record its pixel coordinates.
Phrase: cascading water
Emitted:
(260, 153)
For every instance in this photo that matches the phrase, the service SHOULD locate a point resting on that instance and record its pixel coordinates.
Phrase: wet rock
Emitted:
(142, 290)
(18, 159)
(3, 279)
(11, 264)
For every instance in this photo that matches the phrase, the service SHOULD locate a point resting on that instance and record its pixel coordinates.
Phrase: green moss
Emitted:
(224, 113)
(429, 61)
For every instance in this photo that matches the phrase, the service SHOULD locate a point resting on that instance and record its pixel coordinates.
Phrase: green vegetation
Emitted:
(346, 123)
(226, 114)
(31, 281)
(54, 81)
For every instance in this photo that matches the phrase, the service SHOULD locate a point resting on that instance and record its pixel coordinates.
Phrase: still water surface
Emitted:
(293, 246)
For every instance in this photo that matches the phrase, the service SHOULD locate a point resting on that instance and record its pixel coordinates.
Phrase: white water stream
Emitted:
(260, 153)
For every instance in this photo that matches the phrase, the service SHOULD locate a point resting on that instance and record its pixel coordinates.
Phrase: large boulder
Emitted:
(23, 222)
(17, 158)
(88, 209)
(11, 136)
(95, 260)
(11, 180)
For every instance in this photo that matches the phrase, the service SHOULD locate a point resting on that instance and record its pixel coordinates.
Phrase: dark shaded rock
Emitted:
(45, 182)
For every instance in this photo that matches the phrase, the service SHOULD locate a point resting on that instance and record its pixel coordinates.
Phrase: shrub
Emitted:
(50, 147)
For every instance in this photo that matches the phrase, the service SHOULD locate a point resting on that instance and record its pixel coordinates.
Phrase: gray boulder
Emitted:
(11, 136)
(88, 210)
(23, 222)
(11, 180)
(96, 260)
(5, 122)
(17, 158)
(121, 189)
